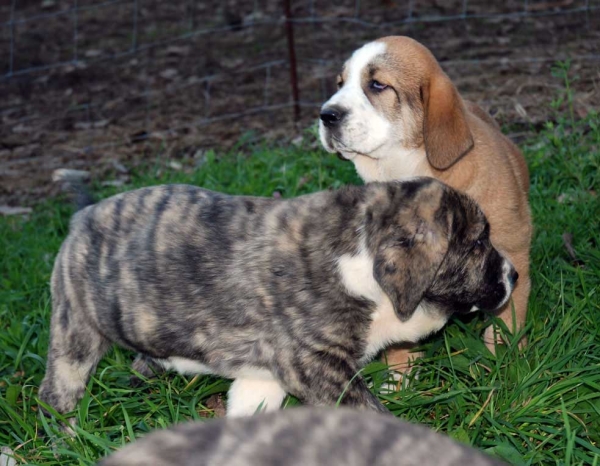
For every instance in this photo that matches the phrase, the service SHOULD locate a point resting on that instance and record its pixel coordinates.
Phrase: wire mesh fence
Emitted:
(83, 80)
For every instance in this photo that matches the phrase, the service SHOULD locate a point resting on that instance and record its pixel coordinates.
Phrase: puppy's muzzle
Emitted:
(332, 116)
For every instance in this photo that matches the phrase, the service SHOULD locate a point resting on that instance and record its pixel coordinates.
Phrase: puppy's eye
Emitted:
(403, 242)
(340, 82)
(377, 86)
(479, 243)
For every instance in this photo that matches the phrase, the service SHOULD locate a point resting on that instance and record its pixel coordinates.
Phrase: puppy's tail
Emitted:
(75, 183)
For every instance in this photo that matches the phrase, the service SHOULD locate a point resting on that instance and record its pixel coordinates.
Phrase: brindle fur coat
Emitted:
(284, 296)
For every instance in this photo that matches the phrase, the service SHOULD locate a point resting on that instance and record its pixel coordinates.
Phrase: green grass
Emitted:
(541, 406)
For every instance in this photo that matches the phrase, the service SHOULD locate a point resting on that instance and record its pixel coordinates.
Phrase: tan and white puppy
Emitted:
(397, 114)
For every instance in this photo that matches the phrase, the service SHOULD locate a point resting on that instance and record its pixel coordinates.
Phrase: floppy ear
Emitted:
(445, 130)
(406, 269)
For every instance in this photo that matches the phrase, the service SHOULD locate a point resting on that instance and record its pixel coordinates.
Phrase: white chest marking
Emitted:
(357, 276)
(351, 95)
(393, 164)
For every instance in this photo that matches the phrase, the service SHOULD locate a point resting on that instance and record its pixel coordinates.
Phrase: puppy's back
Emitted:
(121, 253)
(130, 210)
(504, 145)
(300, 437)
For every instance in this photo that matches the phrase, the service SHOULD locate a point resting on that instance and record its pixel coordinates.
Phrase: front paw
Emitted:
(493, 337)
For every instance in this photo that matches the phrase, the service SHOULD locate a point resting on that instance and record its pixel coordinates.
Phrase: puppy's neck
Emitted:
(393, 164)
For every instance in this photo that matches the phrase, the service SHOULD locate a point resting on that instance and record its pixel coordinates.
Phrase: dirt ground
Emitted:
(131, 93)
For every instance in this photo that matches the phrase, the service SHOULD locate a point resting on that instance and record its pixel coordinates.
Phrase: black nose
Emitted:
(513, 277)
(332, 116)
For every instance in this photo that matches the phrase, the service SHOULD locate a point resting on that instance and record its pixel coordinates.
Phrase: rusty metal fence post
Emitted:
(289, 26)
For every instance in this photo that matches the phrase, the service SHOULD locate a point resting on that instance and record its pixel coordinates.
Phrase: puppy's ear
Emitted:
(445, 130)
(405, 268)
(408, 256)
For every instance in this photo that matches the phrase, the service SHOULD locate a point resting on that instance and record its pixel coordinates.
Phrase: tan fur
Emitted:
(493, 172)
(463, 147)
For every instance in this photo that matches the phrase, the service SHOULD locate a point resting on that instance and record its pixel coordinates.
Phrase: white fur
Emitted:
(506, 268)
(365, 130)
(184, 366)
(357, 276)
(395, 164)
(251, 389)
(253, 373)
(246, 396)
(374, 144)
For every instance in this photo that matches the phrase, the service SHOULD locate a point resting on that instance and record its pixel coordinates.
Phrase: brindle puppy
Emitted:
(300, 437)
(284, 296)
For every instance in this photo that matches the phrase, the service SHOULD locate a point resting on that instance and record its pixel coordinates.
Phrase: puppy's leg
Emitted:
(325, 379)
(353, 393)
(519, 300)
(145, 366)
(247, 395)
(401, 357)
(400, 360)
(74, 351)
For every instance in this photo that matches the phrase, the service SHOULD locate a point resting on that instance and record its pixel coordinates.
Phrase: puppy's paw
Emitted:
(401, 363)
(401, 360)
(247, 397)
(60, 442)
(146, 367)
(67, 428)
(393, 385)
(494, 337)
(399, 380)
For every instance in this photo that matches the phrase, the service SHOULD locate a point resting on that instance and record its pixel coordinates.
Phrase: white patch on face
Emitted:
(367, 137)
(364, 130)
(357, 276)
(246, 396)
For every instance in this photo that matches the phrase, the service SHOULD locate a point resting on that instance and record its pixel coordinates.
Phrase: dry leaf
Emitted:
(169, 73)
(178, 50)
(115, 183)
(67, 174)
(119, 166)
(8, 210)
(521, 111)
(215, 402)
(93, 53)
